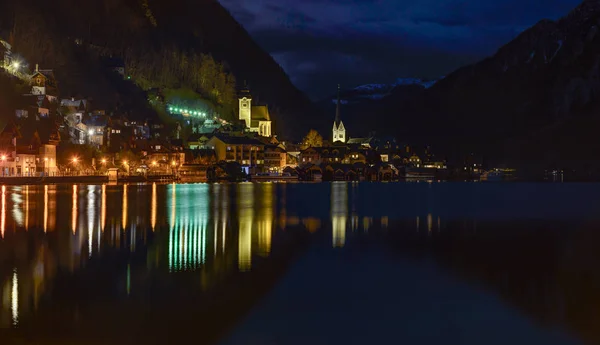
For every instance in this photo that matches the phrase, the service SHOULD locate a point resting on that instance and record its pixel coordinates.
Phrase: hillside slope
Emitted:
(163, 44)
(545, 77)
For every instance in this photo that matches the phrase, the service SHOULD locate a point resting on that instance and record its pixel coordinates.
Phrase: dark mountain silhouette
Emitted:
(161, 42)
(526, 104)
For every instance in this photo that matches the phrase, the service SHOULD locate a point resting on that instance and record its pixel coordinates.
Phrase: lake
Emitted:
(325, 263)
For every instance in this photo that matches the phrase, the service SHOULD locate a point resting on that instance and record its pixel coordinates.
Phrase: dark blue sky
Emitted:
(322, 42)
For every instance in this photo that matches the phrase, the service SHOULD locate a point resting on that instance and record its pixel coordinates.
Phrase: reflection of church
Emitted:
(257, 117)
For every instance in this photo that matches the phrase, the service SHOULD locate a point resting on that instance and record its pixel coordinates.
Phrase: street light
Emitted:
(103, 160)
(16, 65)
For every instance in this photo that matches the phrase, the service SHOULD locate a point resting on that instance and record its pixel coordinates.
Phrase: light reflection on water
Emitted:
(202, 233)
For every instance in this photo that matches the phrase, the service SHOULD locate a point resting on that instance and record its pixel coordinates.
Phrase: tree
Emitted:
(312, 139)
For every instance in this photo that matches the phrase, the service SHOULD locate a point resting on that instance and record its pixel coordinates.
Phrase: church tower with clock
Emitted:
(246, 107)
(256, 117)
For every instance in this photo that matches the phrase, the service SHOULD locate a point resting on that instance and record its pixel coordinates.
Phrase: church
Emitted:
(339, 131)
(256, 117)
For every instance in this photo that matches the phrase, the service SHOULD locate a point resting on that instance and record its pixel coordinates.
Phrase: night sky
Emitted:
(322, 42)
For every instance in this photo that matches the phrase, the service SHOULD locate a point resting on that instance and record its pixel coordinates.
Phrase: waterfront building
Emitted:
(246, 151)
(275, 158)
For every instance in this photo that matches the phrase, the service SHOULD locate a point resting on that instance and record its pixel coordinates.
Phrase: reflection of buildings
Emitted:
(188, 227)
(339, 212)
(265, 219)
(245, 209)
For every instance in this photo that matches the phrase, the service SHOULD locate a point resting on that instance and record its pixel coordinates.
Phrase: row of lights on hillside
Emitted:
(186, 111)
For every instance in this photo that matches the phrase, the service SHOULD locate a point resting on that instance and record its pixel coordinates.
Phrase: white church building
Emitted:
(339, 131)
(256, 117)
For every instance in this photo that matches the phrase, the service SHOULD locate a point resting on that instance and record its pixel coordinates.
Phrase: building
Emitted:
(43, 82)
(30, 150)
(95, 127)
(197, 141)
(243, 150)
(309, 156)
(415, 161)
(275, 158)
(256, 117)
(339, 131)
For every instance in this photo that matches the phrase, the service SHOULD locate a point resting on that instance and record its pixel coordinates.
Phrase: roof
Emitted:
(260, 112)
(234, 140)
(95, 120)
(361, 141)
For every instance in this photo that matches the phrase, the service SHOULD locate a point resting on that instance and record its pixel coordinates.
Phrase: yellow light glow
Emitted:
(104, 161)
(339, 212)
(265, 221)
(103, 209)
(154, 163)
(246, 210)
(173, 163)
(75, 159)
(154, 207)
(3, 216)
(74, 210)
(45, 208)
(26, 207)
(125, 205)
(15, 298)
(124, 162)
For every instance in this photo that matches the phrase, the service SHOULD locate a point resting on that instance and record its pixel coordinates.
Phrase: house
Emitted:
(333, 154)
(275, 158)
(243, 150)
(366, 142)
(95, 126)
(43, 82)
(355, 155)
(309, 156)
(256, 117)
(29, 150)
(415, 161)
(197, 141)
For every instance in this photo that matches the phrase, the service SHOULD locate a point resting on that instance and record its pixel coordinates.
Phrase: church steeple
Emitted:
(337, 107)
(339, 131)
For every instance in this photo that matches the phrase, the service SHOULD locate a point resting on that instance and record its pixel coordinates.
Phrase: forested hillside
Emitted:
(175, 44)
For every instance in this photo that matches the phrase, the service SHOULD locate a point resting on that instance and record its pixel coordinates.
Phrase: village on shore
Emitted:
(53, 137)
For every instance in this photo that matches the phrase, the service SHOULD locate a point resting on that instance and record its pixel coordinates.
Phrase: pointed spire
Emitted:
(337, 108)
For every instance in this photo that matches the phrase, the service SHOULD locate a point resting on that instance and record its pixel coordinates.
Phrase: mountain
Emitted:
(174, 44)
(537, 89)
(359, 104)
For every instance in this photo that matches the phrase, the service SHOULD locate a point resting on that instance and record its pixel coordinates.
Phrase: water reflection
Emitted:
(15, 298)
(245, 216)
(156, 242)
(339, 212)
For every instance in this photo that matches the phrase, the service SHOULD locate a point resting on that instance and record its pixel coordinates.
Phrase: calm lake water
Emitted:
(329, 263)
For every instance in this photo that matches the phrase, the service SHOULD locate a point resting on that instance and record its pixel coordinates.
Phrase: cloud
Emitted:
(318, 41)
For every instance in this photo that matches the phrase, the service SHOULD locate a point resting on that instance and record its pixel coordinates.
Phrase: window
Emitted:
(18, 158)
